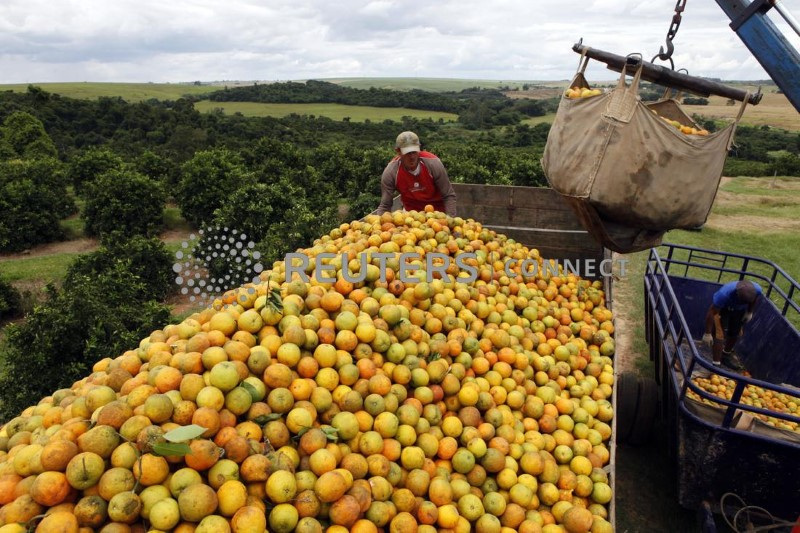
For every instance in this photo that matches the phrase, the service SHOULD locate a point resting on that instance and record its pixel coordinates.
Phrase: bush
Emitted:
(364, 204)
(97, 317)
(33, 198)
(208, 179)
(739, 167)
(123, 203)
(147, 259)
(277, 216)
(10, 301)
(24, 136)
(787, 165)
(90, 165)
(158, 168)
(689, 100)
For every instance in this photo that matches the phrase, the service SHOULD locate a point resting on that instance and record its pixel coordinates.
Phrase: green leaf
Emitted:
(332, 433)
(172, 448)
(250, 389)
(274, 299)
(184, 433)
(263, 419)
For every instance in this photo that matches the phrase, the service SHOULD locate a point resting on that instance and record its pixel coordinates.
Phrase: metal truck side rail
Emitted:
(675, 342)
(701, 261)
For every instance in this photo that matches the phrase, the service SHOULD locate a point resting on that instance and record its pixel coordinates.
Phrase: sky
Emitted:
(204, 40)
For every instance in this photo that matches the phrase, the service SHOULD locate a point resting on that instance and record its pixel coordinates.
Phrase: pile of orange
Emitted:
(380, 405)
(753, 395)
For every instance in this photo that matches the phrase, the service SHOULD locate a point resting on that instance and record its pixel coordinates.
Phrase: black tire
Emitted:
(627, 400)
(646, 411)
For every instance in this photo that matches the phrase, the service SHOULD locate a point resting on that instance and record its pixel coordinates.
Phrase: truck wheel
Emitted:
(627, 399)
(646, 410)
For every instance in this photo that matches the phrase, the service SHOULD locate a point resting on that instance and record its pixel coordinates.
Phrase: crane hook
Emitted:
(673, 30)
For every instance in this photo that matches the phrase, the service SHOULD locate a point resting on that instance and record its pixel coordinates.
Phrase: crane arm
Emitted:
(766, 42)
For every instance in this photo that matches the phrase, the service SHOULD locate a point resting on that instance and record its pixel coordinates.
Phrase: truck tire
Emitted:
(627, 399)
(646, 410)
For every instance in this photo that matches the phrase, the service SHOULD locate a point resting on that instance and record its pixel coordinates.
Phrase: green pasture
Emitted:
(130, 92)
(429, 84)
(37, 270)
(332, 111)
(548, 119)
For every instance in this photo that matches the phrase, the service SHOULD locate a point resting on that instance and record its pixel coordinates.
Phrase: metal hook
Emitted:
(668, 54)
(660, 56)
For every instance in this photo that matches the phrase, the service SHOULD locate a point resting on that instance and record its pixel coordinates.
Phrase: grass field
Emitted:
(774, 110)
(332, 111)
(428, 84)
(130, 92)
(136, 92)
(540, 120)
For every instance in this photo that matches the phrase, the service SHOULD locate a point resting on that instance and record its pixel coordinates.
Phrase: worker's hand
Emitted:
(708, 340)
(746, 318)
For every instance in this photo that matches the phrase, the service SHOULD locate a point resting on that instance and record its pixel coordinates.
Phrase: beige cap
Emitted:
(407, 142)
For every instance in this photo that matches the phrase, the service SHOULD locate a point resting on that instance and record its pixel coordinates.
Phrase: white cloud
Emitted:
(148, 40)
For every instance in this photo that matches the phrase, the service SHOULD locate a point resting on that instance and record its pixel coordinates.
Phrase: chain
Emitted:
(673, 30)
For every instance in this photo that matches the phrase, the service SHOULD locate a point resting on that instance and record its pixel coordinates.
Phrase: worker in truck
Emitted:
(419, 177)
(731, 308)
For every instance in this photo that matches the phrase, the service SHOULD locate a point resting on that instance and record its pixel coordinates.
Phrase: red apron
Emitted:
(418, 191)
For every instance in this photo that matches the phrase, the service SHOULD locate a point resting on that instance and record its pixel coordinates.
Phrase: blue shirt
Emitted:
(725, 297)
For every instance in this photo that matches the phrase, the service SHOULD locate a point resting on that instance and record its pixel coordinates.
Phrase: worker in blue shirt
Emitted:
(731, 308)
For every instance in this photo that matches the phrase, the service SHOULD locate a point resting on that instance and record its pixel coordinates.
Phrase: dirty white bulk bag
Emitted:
(629, 175)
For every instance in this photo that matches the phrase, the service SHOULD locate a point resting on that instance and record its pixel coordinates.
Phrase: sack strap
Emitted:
(624, 99)
(674, 94)
(582, 62)
(636, 77)
(738, 118)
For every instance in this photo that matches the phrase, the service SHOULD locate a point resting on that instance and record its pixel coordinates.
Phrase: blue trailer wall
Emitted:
(769, 346)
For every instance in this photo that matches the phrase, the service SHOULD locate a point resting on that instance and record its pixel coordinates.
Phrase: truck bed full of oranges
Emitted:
(380, 405)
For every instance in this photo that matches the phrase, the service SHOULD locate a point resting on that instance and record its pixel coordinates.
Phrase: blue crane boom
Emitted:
(767, 42)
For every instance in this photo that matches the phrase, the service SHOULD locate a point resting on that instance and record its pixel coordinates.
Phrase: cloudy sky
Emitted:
(186, 40)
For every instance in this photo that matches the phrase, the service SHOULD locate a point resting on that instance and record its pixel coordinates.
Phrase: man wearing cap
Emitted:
(419, 177)
(731, 308)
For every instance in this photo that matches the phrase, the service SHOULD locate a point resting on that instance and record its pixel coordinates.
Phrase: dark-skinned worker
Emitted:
(419, 177)
(731, 308)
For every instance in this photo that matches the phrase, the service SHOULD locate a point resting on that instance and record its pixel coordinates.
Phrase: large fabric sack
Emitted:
(629, 174)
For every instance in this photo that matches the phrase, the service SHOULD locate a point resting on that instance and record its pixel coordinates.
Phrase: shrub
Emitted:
(158, 168)
(146, 258)
(90, 165)
(689, 100)
(97, 317)
(207, 181)
(10, 301)
(277, 216)
(33, 198)
(739, 167)
(364, 204)
(787, 165)
(124, 203)
(24, 136)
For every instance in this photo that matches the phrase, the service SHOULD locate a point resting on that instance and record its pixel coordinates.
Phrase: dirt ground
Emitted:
(80, 246)
(53, 248)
